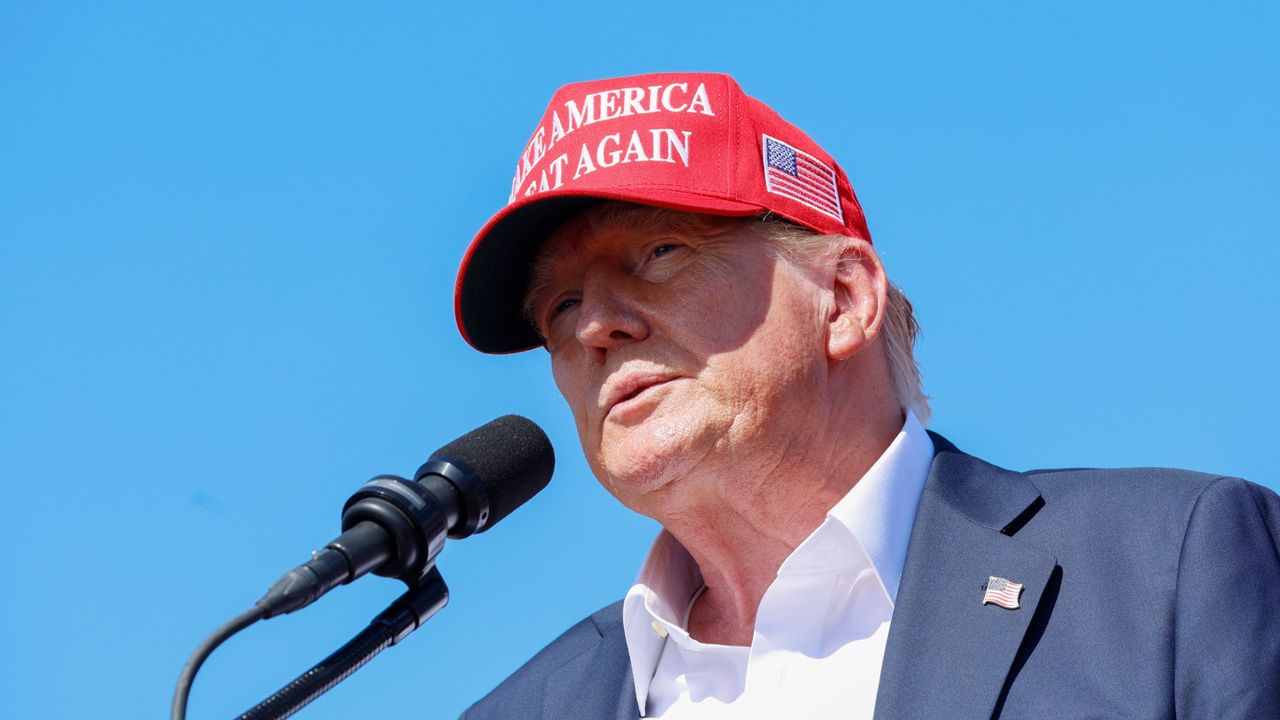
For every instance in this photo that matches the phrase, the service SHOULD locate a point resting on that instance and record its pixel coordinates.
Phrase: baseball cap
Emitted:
(684, 141)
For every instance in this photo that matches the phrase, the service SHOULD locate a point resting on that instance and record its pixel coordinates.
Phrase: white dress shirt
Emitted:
(821, 626)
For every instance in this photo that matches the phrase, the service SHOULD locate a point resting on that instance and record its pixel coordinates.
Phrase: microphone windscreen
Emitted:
(512, 458)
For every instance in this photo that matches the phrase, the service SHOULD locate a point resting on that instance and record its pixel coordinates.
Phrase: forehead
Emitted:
(618, 227)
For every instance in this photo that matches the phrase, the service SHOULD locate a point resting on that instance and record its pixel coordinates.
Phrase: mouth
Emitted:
(630, 391)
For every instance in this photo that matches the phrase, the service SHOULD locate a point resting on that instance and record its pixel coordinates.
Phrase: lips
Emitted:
(630, 386)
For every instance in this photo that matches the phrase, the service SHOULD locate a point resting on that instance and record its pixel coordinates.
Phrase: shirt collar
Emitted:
(658, 601)
(881, 507)
(878, 511)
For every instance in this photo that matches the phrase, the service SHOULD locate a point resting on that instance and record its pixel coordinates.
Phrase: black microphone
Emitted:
(396, 527)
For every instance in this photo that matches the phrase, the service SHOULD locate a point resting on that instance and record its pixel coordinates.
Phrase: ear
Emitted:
(861, 293)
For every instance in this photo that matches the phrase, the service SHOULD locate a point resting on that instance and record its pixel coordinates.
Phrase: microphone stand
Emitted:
(404, 615)
(395, 527)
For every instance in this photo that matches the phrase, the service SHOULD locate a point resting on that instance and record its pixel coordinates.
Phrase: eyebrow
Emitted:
(603, 219)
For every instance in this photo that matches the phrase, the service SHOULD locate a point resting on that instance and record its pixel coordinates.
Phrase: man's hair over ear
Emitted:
(802, 246)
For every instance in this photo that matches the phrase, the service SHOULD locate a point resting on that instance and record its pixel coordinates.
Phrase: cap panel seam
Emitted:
(732, 168)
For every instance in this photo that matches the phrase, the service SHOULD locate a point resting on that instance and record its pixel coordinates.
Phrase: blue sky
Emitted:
(228, 237)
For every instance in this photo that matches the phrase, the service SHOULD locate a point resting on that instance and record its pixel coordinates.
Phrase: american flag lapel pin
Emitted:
(1002, 592)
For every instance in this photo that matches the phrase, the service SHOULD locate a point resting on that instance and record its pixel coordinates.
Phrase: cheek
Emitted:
(780, 365)
(717, 307)
(572, 389)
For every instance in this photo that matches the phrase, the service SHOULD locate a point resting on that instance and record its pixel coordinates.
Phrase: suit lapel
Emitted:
(948, 655)
(596, 683)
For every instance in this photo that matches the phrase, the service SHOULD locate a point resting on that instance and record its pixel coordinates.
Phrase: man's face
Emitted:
(684, 346)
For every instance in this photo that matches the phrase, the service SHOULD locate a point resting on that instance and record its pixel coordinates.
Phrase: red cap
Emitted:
(685, 141)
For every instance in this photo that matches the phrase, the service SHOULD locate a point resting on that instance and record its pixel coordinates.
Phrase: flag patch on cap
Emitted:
(797, 175)
(1002, 592)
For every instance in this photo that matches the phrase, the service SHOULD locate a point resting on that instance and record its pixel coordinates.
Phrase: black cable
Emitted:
(211, 643)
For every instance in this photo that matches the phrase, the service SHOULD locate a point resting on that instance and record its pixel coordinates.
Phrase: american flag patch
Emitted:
(797, 175)
(1002, 592)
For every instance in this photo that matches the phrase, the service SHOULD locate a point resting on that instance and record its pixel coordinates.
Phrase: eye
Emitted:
(662, 249)
(660, 259)
(560, 307)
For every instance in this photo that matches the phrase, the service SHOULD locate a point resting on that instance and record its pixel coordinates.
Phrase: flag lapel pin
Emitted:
(1002, 592)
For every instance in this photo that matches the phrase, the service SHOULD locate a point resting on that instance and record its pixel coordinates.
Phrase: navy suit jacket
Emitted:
(1149, 593)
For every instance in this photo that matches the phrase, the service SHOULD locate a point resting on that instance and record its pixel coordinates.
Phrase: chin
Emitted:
(640, 460)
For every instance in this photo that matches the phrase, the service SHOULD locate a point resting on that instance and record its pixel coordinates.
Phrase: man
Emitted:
(739, 368)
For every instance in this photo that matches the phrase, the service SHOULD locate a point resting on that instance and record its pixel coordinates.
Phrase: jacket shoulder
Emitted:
(1131, 503)
(522, 694)
(1145, 490)
(1142, 484)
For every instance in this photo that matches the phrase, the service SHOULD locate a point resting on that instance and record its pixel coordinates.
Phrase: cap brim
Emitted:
(494, 276)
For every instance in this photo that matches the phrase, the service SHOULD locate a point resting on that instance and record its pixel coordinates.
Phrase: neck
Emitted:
(739, 529)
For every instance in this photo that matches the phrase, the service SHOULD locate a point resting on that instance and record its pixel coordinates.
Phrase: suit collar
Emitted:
(596, 683)
(991, 496)
(948, 655)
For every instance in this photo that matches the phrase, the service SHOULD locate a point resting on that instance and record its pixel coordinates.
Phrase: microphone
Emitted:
(395, 527)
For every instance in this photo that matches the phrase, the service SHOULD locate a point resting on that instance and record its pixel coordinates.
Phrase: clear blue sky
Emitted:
(228, 237)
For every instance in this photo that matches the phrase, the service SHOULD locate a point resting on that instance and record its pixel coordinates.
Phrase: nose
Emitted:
(608, 318)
